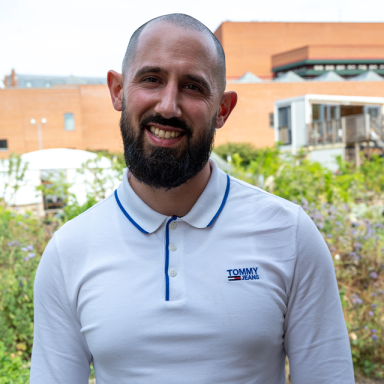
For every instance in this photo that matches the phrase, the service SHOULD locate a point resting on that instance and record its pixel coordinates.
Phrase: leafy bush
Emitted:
(13, 370)
(346, 206)
(22, 241)
(357, 248)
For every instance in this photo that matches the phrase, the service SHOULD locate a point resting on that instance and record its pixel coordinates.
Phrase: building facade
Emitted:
(266, 63)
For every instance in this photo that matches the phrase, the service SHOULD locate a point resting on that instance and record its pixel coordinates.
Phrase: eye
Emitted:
(150, 79)
(193, 87)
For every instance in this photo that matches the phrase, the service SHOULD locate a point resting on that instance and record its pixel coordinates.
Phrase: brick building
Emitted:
(285, 60)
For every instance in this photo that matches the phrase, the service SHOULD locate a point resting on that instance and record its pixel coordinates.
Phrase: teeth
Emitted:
(164, 134)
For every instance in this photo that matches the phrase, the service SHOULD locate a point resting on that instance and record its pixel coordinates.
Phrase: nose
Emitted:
(168, 103)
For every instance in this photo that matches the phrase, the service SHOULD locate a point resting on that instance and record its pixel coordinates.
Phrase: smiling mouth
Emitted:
(165, 134)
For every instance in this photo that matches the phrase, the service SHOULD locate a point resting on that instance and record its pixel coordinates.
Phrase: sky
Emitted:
(89, 37)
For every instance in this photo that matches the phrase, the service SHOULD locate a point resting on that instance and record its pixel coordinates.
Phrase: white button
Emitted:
(172, 272)
(173, 247)
(173, 225)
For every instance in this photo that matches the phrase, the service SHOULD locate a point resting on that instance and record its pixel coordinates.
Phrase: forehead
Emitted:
(174, 48)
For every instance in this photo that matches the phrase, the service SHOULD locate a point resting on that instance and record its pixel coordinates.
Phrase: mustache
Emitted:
(173, 122)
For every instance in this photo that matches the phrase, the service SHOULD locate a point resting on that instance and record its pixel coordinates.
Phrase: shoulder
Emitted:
(254, 199)
(87, 226)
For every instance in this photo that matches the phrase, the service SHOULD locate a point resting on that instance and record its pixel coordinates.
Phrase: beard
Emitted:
(162, 167)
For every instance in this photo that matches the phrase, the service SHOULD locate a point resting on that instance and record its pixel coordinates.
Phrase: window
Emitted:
(330, 67)
(363, 67)
(373, 66)
(351, 66)
(285, 125)
(319, 67)
(340, 67)
(28, 84)
(271, 120)
(69, 122)
(47, 85)
(374, 112)
(3, 145)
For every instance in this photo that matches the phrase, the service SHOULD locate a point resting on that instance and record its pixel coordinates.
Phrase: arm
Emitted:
(60, 353)
(316, 338)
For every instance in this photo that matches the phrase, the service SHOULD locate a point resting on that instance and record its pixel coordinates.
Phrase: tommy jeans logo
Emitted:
(242, 274)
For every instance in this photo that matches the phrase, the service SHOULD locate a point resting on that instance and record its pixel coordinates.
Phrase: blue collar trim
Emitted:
(222, 203)
(127, 215)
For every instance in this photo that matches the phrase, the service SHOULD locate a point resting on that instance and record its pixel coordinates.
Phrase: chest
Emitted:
(223, 291)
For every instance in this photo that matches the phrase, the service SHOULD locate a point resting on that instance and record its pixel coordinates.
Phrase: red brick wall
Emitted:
(249, 45)
(97, 123)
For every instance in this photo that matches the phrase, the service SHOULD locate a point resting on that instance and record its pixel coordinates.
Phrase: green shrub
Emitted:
(13, 370)
(22, 241)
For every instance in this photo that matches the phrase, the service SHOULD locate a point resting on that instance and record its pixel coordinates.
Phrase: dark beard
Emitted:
(160, 167)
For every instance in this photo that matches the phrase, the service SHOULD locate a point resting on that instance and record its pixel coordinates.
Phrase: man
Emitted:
(185, 275)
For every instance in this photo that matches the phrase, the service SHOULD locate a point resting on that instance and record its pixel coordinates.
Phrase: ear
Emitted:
(228, 102)
(115, 85)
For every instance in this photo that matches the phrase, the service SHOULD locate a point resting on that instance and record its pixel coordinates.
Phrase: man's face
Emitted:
(170, 105)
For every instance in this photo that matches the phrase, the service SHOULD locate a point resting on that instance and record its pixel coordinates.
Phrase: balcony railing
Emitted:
(348, 129)
(325, 132)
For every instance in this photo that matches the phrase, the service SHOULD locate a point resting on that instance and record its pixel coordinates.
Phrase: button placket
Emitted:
(174, 269)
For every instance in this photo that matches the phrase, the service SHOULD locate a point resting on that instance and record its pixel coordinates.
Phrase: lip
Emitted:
(164, 127)
(163, 142)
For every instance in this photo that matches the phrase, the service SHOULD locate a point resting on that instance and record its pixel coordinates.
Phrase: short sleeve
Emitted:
(316, 338)
(60, 353)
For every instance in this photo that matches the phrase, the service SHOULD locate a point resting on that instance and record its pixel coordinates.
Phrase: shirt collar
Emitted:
(203, 214)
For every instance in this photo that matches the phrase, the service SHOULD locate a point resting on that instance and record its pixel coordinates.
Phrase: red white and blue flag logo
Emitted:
(242, 274)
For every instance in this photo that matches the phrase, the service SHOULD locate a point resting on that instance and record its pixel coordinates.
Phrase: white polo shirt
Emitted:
(220, 295)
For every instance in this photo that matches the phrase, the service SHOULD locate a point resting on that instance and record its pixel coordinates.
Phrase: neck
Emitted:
(177, 201)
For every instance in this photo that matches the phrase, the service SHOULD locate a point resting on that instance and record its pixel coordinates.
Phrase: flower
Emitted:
(26, 258)
(373, 275)
(374, 306)
(366, 327)
(370, 313)
(24, 249)
(373, 330)
(31, 254)
(374, 337)
(357, 245)
(30, 247)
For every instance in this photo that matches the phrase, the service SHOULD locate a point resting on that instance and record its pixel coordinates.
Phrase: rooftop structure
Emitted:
(46, 81)
(345, 60)
(267, 48)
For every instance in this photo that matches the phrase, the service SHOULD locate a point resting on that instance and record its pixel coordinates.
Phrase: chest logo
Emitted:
(242, 274)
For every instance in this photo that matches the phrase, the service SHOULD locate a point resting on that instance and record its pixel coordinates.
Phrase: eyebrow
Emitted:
(154, 69)
(148, 69)
(199, 80)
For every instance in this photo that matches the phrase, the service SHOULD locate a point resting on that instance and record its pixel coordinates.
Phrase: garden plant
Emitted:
(346, 205)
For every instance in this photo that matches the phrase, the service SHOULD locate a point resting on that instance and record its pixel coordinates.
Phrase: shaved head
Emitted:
(180, 20)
